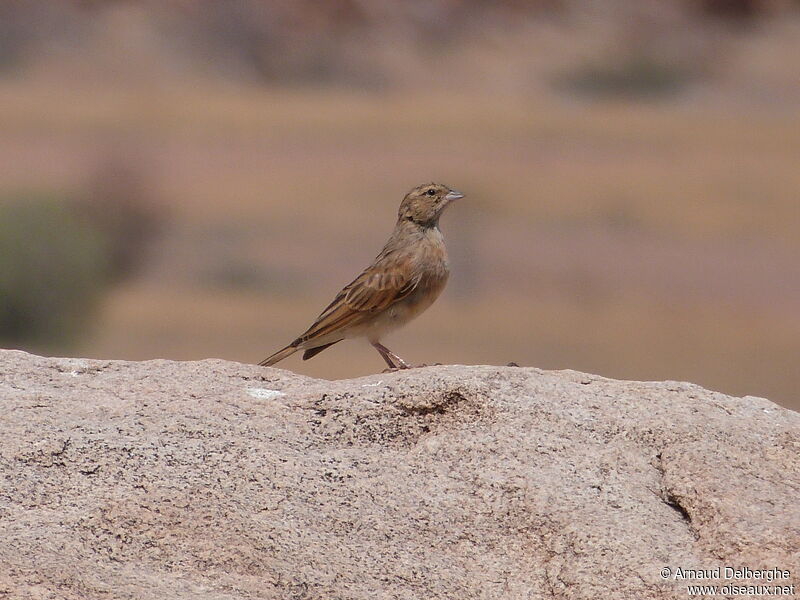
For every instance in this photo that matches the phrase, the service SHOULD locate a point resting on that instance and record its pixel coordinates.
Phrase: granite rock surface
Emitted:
(218, 480)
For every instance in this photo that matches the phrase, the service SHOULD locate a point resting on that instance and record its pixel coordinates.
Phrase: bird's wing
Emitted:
(387, 281)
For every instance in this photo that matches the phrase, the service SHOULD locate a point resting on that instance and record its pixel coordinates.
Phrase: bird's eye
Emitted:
(431, 192)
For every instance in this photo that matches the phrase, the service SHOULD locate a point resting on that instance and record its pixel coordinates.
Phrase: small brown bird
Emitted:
(403, 280)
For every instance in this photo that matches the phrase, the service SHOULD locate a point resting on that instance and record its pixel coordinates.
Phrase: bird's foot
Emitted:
(404, 366)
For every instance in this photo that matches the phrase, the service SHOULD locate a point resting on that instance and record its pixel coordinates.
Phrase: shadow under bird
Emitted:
(403, 280)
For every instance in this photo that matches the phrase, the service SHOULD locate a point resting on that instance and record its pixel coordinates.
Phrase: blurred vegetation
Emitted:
(468, 44)
(58, 253)
(637, 77)
(52, 268)
(118, 204)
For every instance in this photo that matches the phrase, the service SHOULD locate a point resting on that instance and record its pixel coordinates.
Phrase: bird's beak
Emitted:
(453, 195)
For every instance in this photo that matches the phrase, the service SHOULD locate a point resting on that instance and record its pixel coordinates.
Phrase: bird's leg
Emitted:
(394, 361)
(384, 352)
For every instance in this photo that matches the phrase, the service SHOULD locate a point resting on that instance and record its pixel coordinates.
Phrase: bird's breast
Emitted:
(431, 271)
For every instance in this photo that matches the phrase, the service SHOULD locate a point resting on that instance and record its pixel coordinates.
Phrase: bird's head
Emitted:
(424, 204)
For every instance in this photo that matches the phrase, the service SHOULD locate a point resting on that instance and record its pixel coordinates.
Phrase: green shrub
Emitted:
(636, 77)
(52, 267)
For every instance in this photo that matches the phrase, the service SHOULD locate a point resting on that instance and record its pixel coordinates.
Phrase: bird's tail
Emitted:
(279, 355)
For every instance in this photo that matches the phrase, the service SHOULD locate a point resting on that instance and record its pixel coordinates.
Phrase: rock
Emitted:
(220, 480)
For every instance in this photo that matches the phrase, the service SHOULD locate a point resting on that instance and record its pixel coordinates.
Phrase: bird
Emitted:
(405, 278)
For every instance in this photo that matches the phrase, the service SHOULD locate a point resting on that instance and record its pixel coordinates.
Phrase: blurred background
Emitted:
(193, 179)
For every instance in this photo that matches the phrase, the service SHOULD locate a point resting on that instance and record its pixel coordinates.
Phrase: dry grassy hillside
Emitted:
(638, 241)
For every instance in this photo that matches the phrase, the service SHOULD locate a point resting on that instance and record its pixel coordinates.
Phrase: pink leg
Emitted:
(394, 361)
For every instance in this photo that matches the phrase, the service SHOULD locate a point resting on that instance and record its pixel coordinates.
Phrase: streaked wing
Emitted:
(377, 288)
